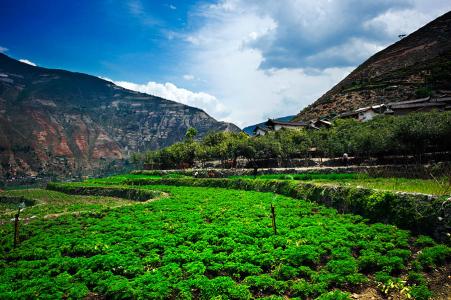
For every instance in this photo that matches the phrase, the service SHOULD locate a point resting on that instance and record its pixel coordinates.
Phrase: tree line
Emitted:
(412, 134)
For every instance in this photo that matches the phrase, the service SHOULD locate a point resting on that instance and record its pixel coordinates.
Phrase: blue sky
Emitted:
(120, 39)
(239, 60)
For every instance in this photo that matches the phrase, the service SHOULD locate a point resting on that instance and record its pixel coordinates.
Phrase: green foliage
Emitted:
(425, 186)
(419, 213)
(307, 176)
(416, 278)
(414, 133)
(424, 240)
(190, 134)
(420, 292)
(433, 256)
(199, 243)
(51, 203)
(334, 295)
(111, 191)
(423, 92)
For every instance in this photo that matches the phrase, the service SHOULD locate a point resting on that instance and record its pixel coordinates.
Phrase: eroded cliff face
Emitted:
(64, 124)
(416, 65)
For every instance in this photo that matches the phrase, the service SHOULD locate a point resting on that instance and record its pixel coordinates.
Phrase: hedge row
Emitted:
(422, 214)
(120, 192)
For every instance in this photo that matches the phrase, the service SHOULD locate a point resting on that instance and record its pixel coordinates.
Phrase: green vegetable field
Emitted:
(201, 242)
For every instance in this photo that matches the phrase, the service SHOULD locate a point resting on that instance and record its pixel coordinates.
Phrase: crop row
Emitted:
(419, 213)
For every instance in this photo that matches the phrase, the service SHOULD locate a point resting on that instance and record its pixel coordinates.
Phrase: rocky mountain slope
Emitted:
(65, 124)
(416, 66)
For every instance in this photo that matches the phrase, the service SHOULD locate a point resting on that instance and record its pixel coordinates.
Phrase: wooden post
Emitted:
(273, 214)
(16, 229)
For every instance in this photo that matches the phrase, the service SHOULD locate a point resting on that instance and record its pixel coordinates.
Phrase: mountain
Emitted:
(418, 65)
(250, 129)
(66, 124)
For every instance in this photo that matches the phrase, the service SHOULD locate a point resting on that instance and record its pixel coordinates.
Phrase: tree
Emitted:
(190, 134)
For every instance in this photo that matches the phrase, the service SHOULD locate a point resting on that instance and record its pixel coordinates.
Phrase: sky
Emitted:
(241, 61)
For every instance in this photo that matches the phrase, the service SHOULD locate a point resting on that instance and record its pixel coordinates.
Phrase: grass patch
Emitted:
(434, 187)
(52, 202)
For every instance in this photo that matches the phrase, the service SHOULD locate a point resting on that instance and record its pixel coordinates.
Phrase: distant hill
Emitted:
(416, 66)
(63, 124)
(250, 129)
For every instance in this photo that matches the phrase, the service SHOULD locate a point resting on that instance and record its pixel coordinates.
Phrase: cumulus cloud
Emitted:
(170, 91)
(267, 58)
(26, 61)
(305, 28)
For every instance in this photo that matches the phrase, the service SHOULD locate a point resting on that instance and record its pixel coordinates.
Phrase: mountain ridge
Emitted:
(417, 64)
(60, 123)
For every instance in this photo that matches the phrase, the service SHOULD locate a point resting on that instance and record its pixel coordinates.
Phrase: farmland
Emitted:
(439, 186)
(204, 242)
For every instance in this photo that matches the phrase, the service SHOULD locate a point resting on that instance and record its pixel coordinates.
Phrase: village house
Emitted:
(260, 130)
(273, 125)
(319, 123)
(363, 114)
(368, 113)
(419, 105)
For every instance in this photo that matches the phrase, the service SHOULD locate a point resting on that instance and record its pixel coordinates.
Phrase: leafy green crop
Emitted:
(204, 243)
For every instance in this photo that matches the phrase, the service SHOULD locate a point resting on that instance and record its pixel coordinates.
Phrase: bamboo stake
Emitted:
(273, 214)
(16, 229)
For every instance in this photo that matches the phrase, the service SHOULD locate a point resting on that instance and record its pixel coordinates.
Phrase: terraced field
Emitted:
(200, 242)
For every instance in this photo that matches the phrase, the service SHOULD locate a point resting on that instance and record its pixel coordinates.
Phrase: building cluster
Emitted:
(363, 114)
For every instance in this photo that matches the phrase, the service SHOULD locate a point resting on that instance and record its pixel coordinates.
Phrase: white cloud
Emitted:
(3, 49)
(188, 77)
(172, 6)
(26, 61)
(272, 58)
(395, 22)
(170, 91)
(219, 56)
